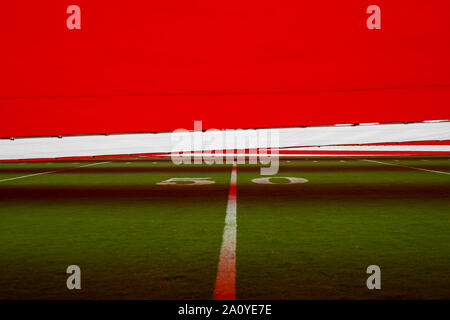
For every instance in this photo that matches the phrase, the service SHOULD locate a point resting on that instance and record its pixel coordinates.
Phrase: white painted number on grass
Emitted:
(269, 180)
(185, 182)
(374, 281)
(74, 281)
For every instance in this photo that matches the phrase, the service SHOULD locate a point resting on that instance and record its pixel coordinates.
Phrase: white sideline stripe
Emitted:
(399, 165)
(226, 272)
(47, 172)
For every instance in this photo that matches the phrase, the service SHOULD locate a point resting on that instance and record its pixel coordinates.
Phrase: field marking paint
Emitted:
(403, 166)
(53, 171)
(226, 272)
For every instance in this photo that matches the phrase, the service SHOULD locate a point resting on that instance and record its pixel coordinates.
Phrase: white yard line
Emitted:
(403, 166)
(226, 271)
(53, 171)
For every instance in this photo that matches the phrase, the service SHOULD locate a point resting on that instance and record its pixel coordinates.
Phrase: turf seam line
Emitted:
(226, 271)
(409, 167)
(53, 171)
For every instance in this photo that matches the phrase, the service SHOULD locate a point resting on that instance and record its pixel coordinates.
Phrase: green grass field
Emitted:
(135, 239)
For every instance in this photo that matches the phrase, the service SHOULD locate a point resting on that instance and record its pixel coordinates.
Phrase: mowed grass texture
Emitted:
(135, 239)
(131, 238)
(315, 240)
